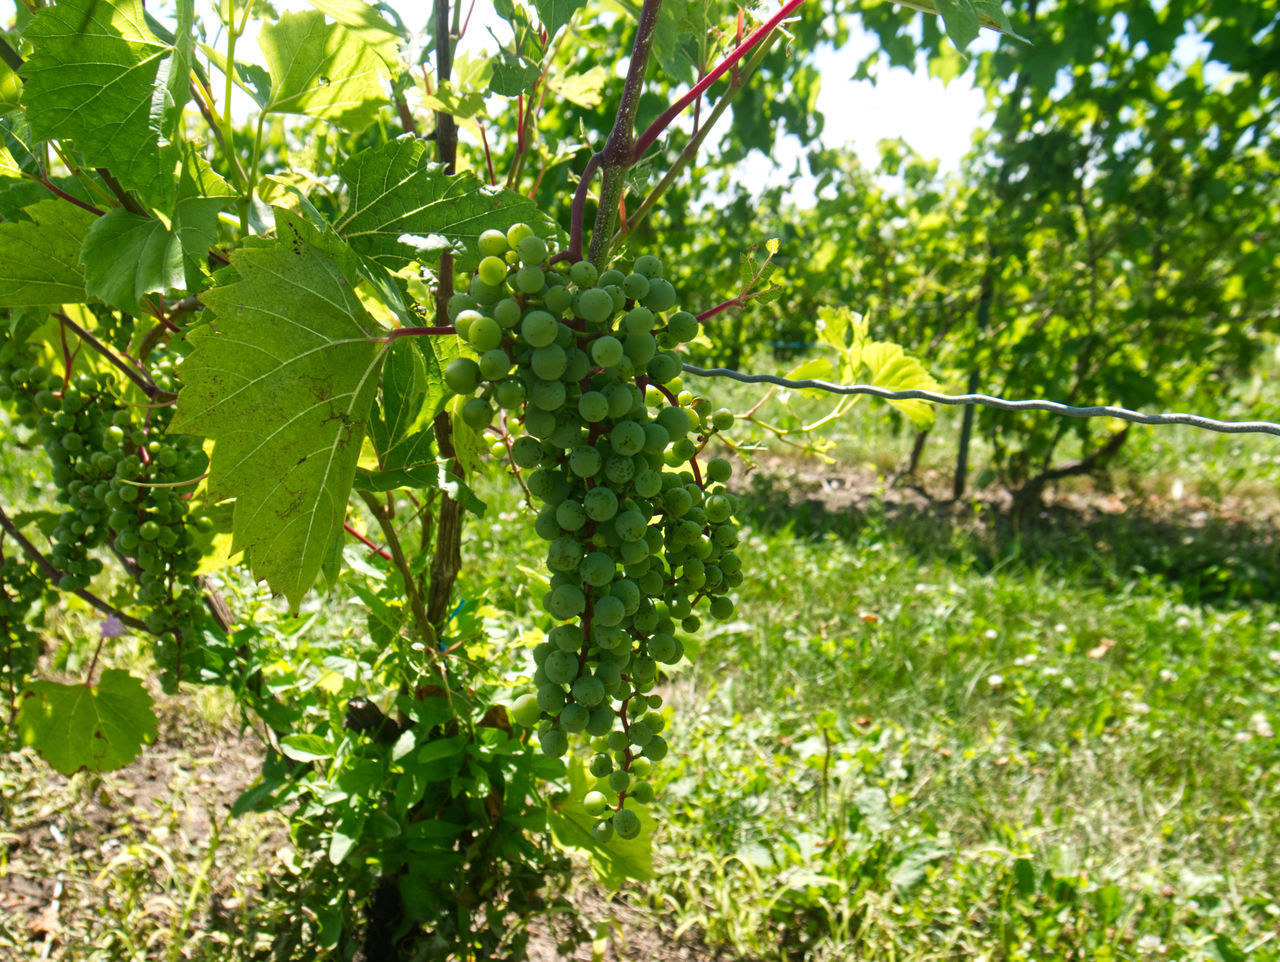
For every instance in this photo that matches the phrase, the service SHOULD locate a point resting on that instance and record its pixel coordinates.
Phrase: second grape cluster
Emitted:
(640, 535)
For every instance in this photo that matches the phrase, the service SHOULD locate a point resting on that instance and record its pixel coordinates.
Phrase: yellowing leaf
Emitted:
(892, 368)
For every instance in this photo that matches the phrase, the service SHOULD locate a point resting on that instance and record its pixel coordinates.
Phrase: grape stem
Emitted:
(367, 542)
(655, 129)
(53, 574)
(418, 332)
(148, 386)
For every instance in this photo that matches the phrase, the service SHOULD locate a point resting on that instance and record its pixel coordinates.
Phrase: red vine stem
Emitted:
(418, 332)
(655, 129)
(367, 543)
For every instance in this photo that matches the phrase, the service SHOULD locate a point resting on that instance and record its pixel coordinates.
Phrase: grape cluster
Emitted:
(21, 585)
(638, 534)
(125, 484)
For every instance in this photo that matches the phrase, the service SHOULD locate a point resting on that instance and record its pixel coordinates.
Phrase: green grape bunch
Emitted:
(125, 487)
(639, 535)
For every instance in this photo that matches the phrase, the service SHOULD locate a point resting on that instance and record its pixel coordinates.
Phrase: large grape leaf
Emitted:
(100, 727)
(95, 76)
(40, 258)
(324, 70)
(282, 381)
(396, 190)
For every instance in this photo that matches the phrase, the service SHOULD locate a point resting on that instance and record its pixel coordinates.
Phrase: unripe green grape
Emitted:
(601, 721)
(593, 406)
(558, 300)
(585, 462)
(478, 413)
(718, 471)
(647, 483)
(566, 637)
(462, 375)
(588, 691)
(549, 362)
(661, 295)
(675, 420)
(600, 765)
(594, 305)
(628, 593)
(663, 648)
(554, 743)
(583, 273)
(638, 320)
(612, 276)
(526, 452)
(568, 432)
(596, 569)
(492, 243)
(682, 327)
(579, 366)
(640, 349)
(620, 399)
(648, 265)
(530, 280)
(630, 525)
(594, 803)
(626, 823)
(507, 312)
(547, 395)
(526, 711)
(538, 329)
(565, 602)
(532, 249)
(509, 393)
(642, 792)
(656, 749)
(516, 233)
(573, 718)
(635, 286)
(692, 624)
(721, 608)
(726, 536)
(495, 363)
(682, 452)
(601, 832)
(600, 503)
(619, 781)
(627, 438)
(609, 611)
(609, 674)
(561, 666)
(718, 509)
(656, 438)
(539, 423)
(606, 351)
(663, 369)
(484, 333)
(492, 271)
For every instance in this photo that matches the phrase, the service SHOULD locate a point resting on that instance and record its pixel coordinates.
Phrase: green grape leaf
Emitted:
(964, 18)
(555, 14)
(397, 192)
(283, 381)
(614, 862)
(585, 89)
(893, 368)
(10, 89)
(413, 393)
(513, 74)
(361, 17)
(40, 258)
(323, 70)
(92, 78)
(100, 727)
(128, 255)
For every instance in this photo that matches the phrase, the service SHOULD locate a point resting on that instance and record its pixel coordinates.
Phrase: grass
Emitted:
(929, 733)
